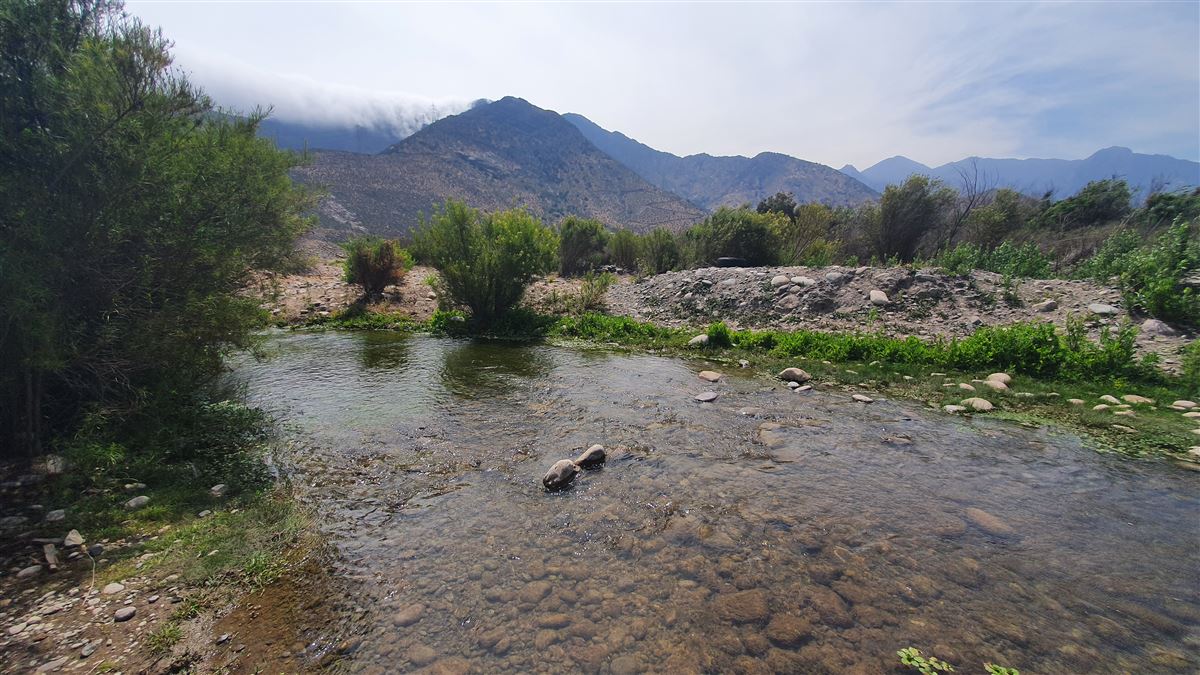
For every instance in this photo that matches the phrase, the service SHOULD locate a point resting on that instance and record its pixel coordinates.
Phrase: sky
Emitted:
(833, 83)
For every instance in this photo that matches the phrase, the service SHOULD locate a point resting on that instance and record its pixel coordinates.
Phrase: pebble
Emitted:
(560, 475)
(977, 404)
(124, 614)
(793, 385)
(16, 630)
(218, 490)
(710, 375)
(862, 399)
(204, 514)
(137, 502)
(593, 456)
(707, 396)
(794, 375)
(89, 649)
(779, 280)
(152, 599)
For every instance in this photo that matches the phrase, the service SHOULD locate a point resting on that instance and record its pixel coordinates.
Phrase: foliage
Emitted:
(907, 212)
(162, 639)
(780, 202)
(1166, 207)
(911, 657)
(582, 245)
(808, 228)
(486, 260)
(374, 264)
(131, 215)
(624, 248)
(1099, 202)
(737, 233)
(1190, 366)
(1155, 277)
(990, 224)
(660, 252)
(719, 335)
(1025, 261)
(593, 289)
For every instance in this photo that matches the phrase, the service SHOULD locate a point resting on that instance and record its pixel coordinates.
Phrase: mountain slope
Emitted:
(1035, 176)
(496, 155)
(726, 181)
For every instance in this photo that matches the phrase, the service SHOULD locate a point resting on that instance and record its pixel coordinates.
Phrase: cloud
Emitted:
(302, 99)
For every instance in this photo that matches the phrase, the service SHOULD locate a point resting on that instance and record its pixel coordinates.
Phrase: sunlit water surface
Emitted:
(712, 541)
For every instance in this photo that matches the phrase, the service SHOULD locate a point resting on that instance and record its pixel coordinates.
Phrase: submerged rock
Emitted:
(560, 475)
(409, 615)
(593, 456)
(797, 375)
(786, 630)
(742, 606)
(989, 523)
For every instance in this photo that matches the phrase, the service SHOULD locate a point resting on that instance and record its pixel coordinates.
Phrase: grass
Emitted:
(1049, 367)
(160, 640)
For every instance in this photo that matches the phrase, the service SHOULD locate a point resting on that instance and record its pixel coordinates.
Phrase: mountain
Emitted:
(726, 181)
(350, 138)
(1036, 176)
(495, 155)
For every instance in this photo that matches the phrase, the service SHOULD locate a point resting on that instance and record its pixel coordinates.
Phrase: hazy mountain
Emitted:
(1035, 176)
(300, 136)
(716, 181)
(496, 155)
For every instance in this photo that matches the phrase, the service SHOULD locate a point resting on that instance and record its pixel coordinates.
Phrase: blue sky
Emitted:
(834, 83)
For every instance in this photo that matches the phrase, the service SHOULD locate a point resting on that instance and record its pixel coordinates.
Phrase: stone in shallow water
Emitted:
(710, 375)
(421, 655)
(786, 630)
(707, 397)
(593, 456)
(954, 408)
(742, 606)
(794, 375)
(989, 523)
(409, 615)
(560, 475)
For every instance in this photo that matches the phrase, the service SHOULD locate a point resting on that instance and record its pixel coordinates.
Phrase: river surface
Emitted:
(769, 531)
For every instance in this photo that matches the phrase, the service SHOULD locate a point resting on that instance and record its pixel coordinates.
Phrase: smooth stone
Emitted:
(137, 502)
(56, 515)
(786, 630)
(73, 538)
(834, 277)
(96, 550)
(420, 655)
(218, 490)
(878, 298)
(995, 385)
(16, 630)
(780, 280)
(1076, 401)
(1045, 306)
(977, 404)
(29, 571)
(556, 620)
(804, 281)
(51, 666)
(1137, 400)
(1109, 398)
(1156, 327)
(1000, 377)
(742, 606)
(966, 387)
(113, 588)
(803, 388)
(954, 408)
(1130, 430)
(793, 385)
(89, 649)
(862, 399)
(1103, 309)
(989, 523)
(593, 456)
(1125, 413)
(124, 614)
(794, 375)
(204, 514)
(1191, 414)
(710, 375)
(409, 615)
(1186, 405)
(1100, 406)
(707, 396)
(698, 341)
(560, 475)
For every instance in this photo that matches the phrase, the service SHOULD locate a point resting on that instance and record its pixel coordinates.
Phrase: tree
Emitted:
(623, 249)
(809, 224)
(906, 213)
(374, 264)
(736, 233)
(132, 213)
(974, 189)
(660, 252)
(486, 260)
(989, 225)
(581, 245)
(780, 202)
(1099, 202)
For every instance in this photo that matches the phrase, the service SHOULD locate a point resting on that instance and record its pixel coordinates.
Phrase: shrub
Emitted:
(1155, 277)
(374, 264)
(1190, 366)
(581, 245)
(719, 335)
(737, 233)
(660, 252)
(907, 212)
(623, 249)
(1099, 202)
(593, 289)
(1025, 261)
(807, 228)
(486, 260)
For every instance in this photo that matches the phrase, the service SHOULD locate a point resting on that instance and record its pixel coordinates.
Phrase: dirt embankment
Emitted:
(926, 303)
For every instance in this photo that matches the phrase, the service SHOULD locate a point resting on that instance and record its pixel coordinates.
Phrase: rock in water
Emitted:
(878, 298)
(977, 404)
(560, 475)
(954, 408)
(989, 523)
(593, 456)
(710, 375)
(794, 375)
(707, 397)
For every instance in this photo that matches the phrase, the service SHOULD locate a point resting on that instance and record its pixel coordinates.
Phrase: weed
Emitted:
(162, 639)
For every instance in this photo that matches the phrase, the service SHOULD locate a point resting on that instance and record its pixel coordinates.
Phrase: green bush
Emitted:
(1155, 277)
(907, 212)
(624, 248)
(374, 264)
(660, 252)
(737, 233)
(1025, 261)
(486, 260)
(1099, 202)
(582, 245)
(719, 335)
(593, 290)
(1190, 367)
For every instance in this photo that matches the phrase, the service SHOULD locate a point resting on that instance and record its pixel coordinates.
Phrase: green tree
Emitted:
(990, 224)
(581, 245)
(131, 215)
(486, 260)
(1099, 202)
(907, 212)
(780, 202)
(374, 264)
(809, 225)
(623, 249)
(737, 233)
(659, 252)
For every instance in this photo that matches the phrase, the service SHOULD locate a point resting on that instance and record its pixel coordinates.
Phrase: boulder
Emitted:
(786, 630)
(1101, 309)
(593, 456)
(977, 404)
(878, 298)
(1000, 377)
(1156, 327)
(742, 606)
(1186, 405)
(137, 502)
(560, 475)
(698, 341)
(794, 375)
(707, 396)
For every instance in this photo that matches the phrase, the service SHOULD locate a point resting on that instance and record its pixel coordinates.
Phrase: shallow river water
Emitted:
(769, 531)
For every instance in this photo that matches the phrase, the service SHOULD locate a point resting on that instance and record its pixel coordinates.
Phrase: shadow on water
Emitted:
(769, 531)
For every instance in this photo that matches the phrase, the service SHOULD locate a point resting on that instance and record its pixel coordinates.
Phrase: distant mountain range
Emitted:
(501, 154)
(1034, 177)
(727, 181)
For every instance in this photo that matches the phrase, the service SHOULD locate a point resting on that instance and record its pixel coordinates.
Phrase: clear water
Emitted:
(708, 542)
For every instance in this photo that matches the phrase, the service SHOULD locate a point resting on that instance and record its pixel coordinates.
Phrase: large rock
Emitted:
(698, 341)
(977, 404)
(989, 523)
(593, 456)
(1156, 327)
(710, 375)
(797, 375)
(560, 475)
(742, 606)
(1000, 377)
(1102, 309)
(137, 502)
(1186, 405)
(878, 298)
